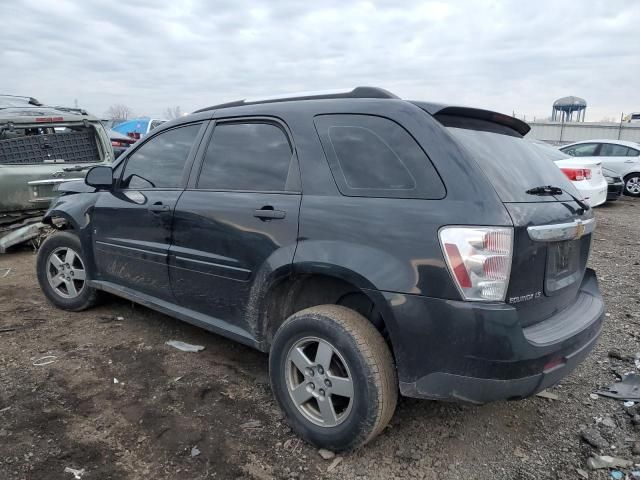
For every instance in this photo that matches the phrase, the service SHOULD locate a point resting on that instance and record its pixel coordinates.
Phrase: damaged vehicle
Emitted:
(41, 147)
(372, 246)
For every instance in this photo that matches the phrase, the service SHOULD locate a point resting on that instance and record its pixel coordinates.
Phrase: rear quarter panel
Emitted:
(392, 244)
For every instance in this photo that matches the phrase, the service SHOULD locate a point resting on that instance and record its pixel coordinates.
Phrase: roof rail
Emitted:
(81, 111)
(357, 92)
(30, 100)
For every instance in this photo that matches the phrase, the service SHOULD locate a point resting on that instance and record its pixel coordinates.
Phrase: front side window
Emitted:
(159, 162)
(373, 156)
(583, 150)
(247, 157)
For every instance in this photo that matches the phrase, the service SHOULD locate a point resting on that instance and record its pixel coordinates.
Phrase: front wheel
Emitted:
(333, 375)
(62, 273)
(632, 185)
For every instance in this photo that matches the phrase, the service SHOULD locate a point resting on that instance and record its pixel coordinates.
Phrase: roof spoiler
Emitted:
(505, 120)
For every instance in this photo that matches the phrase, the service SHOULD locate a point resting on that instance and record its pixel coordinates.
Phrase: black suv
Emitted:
(368, 243)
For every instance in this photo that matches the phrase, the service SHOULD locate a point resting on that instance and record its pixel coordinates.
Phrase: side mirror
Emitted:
(100, 177)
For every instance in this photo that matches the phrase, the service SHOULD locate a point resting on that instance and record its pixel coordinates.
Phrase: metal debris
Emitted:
(627, 389)
(185, 347)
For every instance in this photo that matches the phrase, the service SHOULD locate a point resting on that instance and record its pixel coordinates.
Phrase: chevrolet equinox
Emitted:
(371, 245)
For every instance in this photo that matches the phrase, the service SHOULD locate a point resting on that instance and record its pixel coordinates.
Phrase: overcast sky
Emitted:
(503, 55)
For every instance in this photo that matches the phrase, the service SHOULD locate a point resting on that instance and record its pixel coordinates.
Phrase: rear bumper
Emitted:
(478, 353)
(594, 195)
(614, 191)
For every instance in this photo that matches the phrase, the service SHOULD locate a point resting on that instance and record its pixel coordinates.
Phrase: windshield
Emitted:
(513, 164)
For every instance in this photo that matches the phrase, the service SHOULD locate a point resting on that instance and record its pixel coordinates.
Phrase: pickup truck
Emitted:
(40, 147)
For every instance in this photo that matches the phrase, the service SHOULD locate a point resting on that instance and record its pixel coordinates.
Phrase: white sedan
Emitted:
(623, 157)
(585, 173)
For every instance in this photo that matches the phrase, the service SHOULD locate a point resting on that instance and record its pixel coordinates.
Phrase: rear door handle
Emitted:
(158, 207)
(268, 213)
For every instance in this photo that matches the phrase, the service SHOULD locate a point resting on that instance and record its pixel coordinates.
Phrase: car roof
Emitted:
(17, 109)
(625, 143)
(307, 100)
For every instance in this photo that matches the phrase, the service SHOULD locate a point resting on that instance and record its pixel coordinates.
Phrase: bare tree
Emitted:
(118, 112)
(173, 112)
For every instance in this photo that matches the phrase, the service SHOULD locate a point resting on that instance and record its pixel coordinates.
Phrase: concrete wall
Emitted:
(559, 133)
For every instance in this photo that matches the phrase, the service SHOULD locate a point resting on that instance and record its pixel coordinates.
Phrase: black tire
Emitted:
(371, 366)
(632, 185)
(86, 296)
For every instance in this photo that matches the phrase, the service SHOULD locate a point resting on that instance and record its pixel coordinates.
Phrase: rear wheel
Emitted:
(334, 376)
(62, 273)
(632, 185)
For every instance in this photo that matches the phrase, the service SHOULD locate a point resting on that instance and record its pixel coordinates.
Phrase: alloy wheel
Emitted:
(319, 382)
(66, 273)
(633, 185)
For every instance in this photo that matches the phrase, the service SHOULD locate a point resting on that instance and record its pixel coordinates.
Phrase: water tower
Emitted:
(565, 107)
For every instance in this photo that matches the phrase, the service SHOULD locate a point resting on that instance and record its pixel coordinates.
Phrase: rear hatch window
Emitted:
(50, 144)
(512, 164)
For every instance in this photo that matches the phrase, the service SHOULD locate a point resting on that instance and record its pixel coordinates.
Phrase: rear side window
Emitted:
(159, 162)
(612, 150)
(373, 156)
(246, 156)
(582, 150)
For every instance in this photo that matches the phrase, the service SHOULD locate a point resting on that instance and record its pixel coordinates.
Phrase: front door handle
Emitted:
(158, 207)
(268, 213)
(628, 161)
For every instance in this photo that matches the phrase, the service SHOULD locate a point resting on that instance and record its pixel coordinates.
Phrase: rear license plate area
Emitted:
(563, 265)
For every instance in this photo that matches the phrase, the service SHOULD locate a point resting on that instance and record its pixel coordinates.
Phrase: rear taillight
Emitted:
(479, 259)
(577, 174)
(120, 143)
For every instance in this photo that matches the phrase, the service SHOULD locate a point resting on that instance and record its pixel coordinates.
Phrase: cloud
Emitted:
(503, 55)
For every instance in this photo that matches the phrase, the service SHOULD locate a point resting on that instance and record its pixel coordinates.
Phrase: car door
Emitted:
(132, 224)
(619, 158)
(237, 221)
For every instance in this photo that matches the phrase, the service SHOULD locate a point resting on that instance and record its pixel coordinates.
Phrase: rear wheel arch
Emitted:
(311, 288)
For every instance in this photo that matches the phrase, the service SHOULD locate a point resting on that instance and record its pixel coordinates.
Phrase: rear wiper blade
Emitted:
(552, 190)
(545, 190)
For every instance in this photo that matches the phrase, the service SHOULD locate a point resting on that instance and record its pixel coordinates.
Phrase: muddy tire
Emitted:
(334, 377)
(62, 273)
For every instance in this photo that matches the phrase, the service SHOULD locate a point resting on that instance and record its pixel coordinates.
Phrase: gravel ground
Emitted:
(71, 413)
